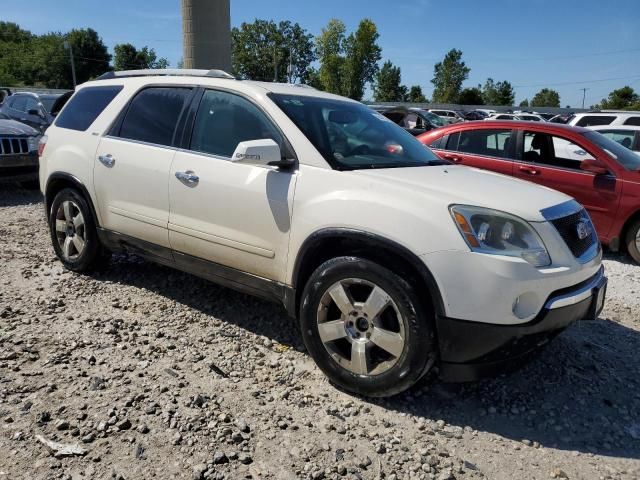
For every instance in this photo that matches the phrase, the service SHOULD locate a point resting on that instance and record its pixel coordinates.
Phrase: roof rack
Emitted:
(180, 72)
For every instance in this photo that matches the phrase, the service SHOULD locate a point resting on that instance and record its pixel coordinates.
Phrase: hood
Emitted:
(454, 184)
(11, 127)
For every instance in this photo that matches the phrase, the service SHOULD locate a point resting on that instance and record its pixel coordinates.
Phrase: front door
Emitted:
(234, 215)
(132, 167)
(554, 161)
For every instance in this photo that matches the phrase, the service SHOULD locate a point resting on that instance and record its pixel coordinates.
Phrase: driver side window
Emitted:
(554, 151)
(225, 119)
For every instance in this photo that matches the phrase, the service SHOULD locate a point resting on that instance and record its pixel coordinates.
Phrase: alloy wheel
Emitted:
(361, 327)
(70, 230)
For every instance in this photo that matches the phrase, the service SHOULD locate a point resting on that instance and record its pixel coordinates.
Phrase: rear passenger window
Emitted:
(85, 106)
(224, 120)
(633, 121)
(153, 115)
(490, 142)
(592, 120)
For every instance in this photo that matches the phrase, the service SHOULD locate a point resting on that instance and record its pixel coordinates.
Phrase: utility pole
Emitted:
(67, 45)
(290, 69)
(275, 63)
(584, 94)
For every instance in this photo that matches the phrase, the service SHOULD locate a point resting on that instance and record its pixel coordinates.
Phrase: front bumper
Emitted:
(470, 350)
(20, 167)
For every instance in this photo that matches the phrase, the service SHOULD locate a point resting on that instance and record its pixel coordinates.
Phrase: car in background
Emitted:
(449, 116)
(592, 119)
(415, 120)
(34, 109)
(561, 118)
(598, 172)
(475, 115)
(18, 152)
(626, 135)
(546, 116)
(502, 116)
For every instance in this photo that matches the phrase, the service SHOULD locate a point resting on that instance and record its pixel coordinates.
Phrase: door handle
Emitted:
(529, 170)
(453, 158)
(189, 178)
(107, 160)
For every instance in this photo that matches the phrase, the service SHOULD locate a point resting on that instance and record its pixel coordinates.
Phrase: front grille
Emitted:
(13, 146)
(569, 229)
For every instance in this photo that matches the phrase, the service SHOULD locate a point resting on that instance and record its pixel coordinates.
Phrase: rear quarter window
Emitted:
(593, 120)
(633, 121)
(85, 106)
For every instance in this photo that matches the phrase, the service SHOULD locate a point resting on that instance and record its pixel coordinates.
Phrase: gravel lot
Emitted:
(143, 372)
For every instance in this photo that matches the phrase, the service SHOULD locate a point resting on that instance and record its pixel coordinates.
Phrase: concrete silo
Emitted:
(206, 28)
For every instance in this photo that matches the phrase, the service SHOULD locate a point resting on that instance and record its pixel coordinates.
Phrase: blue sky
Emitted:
(562, 44)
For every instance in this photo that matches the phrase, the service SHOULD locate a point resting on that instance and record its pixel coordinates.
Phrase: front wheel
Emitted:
(366, 328)
(633, 241)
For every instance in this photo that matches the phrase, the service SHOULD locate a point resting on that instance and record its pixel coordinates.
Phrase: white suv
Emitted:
(392, 260)
(592, 119)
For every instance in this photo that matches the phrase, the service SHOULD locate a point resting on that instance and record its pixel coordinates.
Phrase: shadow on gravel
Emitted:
(582, 393)
(12, 195)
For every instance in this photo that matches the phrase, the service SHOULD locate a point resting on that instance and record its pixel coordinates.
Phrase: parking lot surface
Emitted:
(139, 371)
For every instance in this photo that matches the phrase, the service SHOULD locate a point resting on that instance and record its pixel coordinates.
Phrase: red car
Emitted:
(598, 172)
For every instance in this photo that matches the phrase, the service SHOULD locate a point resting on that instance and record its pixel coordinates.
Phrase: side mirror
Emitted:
(35, 111)
(262, 153)
(594, 166)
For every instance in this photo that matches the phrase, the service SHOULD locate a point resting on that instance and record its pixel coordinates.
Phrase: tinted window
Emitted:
(224, 120)
(592, 120)
(85, 106)
(19, 103)
(633, 121)
(490, 142)
(48, 101)
(32, 104)
(545, 149)
(153, 115)
(351, 136)
(435, 143)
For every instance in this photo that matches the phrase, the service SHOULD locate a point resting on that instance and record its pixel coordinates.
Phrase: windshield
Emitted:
(351, 136)
(625, 157)
(435, 120)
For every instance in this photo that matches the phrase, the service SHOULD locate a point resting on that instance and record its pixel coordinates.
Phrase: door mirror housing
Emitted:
(262, 153)
(35, 111)
(594, 166)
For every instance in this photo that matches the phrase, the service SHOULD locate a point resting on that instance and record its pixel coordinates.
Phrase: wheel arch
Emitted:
(329, 243)
(58, 181)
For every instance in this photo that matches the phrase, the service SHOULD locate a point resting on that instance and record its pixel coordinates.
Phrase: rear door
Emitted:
(554, 161)
(132, 165)
(486, 148)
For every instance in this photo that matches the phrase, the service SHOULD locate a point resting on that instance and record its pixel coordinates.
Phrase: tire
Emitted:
(403, 326)
(633, 241)
(73, 232)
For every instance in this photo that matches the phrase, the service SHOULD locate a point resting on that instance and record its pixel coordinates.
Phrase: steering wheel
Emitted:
(360, 150)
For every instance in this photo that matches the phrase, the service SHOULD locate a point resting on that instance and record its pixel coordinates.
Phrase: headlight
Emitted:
(33, 143)
(499, 233)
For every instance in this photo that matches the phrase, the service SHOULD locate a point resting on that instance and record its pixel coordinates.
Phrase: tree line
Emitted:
(44, 60)
(336, 61)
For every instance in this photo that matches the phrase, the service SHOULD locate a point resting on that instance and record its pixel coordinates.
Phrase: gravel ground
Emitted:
(143, 372)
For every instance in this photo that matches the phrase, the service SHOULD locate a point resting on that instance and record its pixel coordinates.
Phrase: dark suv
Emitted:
(36, 110)
(18, 152)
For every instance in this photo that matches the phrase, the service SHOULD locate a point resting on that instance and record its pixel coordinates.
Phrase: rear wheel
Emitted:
(633, 241)
(365, 327)
(73, 232)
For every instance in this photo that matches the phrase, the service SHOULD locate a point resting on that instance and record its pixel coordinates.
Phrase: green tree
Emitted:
(330, 46)
(498, 93)
(262, 48)
(524, 103)
(128, 57)
(387, 87)
(546, 98)
(415, 95)
(14, 41)
(622, 98)
(90, 54)
(448, 77)
(471, 96)
(362, 54)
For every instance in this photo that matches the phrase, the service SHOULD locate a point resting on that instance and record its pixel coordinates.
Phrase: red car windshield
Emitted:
(625, 157)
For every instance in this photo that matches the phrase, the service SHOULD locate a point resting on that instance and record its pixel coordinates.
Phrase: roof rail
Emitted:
(180, 72)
